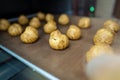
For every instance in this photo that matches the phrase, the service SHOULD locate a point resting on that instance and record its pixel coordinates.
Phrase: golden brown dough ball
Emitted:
(58, 40)
(98, 50)
(49, 17)
(41, 16)
(103, 36)
(111, 25)
(63, 19)
(30, 35)
(4, 24)
(84, 22)
(50, 27)
(15, 29)
(23, 20)
(73, 32)
(35, 22)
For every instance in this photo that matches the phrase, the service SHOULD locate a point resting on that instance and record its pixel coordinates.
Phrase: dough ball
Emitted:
(105, 67)
(4, 24)
(84, 22)
(23, 20)
(49, 17)
(103, 36)
(30, 35)
(15, 29)
(50, 27)
(98, 50)
(35, 22)
(41, 16)
(111, 25)
(74, 32)
(58, 40)
(63, 19)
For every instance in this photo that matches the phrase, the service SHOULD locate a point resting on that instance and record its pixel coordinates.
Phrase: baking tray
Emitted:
(68, 64)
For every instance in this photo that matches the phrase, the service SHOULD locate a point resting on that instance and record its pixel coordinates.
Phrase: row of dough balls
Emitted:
(64, 19)
(35, 22)
(103, 39)
(22, 20)
(30, 34)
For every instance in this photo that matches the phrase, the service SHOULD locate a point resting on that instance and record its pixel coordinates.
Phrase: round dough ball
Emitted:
(4, 24)
(50, 27)
(73, 32)
(63, 19)
(98, 50)
(41, 16)
(58, 40)
(35, 22)
(15, 29)
(111, 25)
(49, 17)
(30, 35)
(23, 20)
(103, 36)
(84, 22)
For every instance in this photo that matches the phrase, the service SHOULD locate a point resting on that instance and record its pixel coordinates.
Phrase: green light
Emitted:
(92, 9)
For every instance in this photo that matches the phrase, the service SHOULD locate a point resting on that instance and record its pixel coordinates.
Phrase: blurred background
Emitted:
(92, 8)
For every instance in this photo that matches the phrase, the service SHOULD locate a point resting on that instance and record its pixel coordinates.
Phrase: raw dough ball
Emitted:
(103, 36)
(58, 40)
(49, 17)
(23, 20)
(41, 16)
(15, 29)
(112, 25)
(84, 22)
(63, 19)
(4, 24)
(30, 35)
(105, 67)
(35, 22)
(50, 27)
(98, 50)
(74, 32)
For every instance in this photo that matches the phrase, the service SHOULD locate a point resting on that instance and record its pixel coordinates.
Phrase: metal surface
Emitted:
(34, 67)
(15, 19)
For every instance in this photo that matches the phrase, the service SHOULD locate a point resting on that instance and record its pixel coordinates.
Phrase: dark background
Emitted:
(13, 8)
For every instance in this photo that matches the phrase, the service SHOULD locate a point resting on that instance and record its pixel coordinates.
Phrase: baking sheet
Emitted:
(68, 64)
